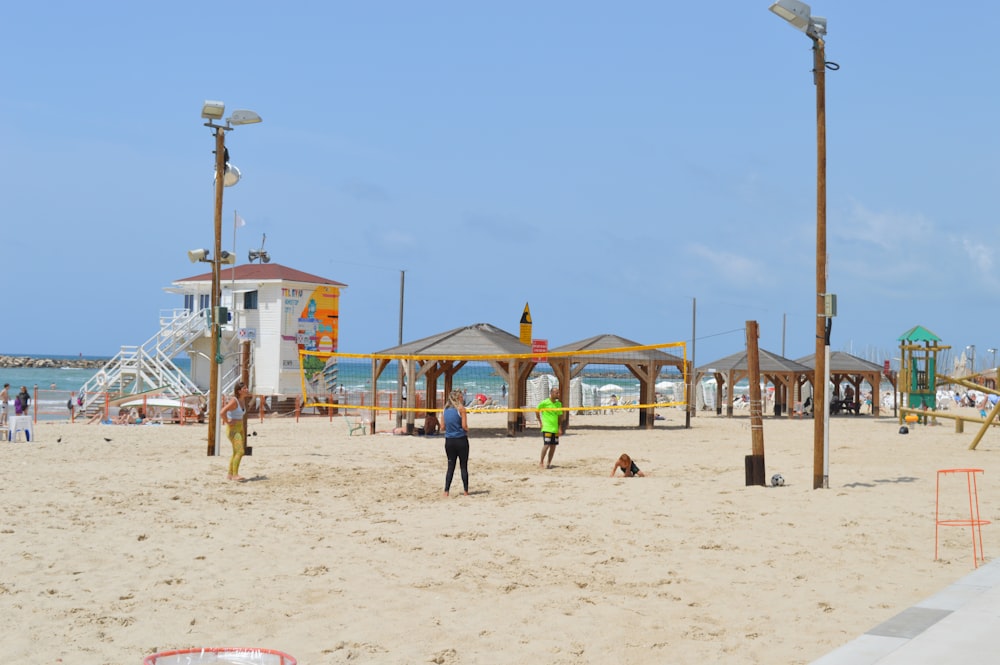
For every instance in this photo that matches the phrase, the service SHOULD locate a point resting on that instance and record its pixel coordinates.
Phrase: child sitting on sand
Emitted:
(431, 425)
(627, 466)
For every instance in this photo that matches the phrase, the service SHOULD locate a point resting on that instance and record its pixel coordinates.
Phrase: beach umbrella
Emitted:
(610, 388)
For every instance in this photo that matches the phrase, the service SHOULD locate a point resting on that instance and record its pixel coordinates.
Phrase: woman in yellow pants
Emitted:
(232, 416)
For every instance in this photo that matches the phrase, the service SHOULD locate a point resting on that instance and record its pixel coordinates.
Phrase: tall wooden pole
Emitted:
(692, 393)
(213, 385)
(755, 462)
(820, 401)
(399, 361)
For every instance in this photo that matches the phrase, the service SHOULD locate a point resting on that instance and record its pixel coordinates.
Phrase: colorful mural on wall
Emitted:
(310, 318)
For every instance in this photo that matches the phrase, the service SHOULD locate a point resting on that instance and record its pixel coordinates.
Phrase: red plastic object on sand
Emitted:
(220, 656)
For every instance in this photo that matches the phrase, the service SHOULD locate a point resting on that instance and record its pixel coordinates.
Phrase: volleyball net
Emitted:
(601, 380)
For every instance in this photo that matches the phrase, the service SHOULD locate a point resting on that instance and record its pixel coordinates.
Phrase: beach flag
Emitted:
(239, 221)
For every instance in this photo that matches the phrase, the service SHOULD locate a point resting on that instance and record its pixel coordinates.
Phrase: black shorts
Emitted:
(550, 438)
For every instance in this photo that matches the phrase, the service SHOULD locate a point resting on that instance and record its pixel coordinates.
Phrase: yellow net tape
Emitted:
(601, 380)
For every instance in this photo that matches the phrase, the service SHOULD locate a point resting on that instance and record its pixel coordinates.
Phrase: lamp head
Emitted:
(213, 110)
(231, 176)
(243, 117)
(196, 255)
(795, 12)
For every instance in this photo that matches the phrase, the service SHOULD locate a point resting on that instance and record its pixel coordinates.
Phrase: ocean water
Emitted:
(52, 387)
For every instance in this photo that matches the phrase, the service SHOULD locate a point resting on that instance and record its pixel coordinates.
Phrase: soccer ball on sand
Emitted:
(777, 480)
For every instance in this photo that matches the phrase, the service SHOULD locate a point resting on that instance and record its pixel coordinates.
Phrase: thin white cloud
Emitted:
(907, 244)
(735, 268)
(980, 255)
(884, 229)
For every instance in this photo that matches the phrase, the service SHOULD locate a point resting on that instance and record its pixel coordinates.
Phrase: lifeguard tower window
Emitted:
(250, 300)
(204, 301)
(189, 302)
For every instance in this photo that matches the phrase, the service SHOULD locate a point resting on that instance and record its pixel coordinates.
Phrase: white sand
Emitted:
(342, 549)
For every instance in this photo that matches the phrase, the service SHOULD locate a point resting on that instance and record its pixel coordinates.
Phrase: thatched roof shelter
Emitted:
(447, 352)
(644, 364)
(845, 367)
(479, 339)
(442, 355)
(786, 375)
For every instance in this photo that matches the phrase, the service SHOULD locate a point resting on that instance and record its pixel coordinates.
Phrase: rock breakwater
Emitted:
(44, 363)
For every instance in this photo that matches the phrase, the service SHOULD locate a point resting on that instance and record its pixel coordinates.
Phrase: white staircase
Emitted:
(137, 369)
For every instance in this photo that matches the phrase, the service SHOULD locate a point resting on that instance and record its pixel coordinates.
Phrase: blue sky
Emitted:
(604, 162)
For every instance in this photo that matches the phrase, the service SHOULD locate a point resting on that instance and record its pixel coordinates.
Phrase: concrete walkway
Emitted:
(959, 624)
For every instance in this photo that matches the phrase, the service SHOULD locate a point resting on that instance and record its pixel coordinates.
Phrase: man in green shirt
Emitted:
(550, 416)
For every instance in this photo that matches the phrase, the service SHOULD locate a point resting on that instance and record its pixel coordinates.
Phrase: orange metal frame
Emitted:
(974, 521)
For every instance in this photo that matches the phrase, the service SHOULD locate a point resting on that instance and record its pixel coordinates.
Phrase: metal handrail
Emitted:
(152, 363)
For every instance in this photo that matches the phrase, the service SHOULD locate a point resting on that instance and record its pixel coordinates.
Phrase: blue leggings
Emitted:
(457, 450)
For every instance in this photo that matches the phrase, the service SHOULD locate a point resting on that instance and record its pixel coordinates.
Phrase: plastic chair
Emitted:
(355, 425)
(20, 425)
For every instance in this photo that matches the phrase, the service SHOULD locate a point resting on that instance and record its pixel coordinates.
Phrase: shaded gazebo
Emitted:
(853, 370)
(446, 353)
(644, 364)
(786, 375)
(441, 356)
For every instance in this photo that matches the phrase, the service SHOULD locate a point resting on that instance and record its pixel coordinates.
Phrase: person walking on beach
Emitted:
(4, 398)
(232, 415)
(550, 416)
(456, 439)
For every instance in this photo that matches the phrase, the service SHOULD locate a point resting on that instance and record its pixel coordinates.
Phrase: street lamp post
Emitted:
(972, 358)
(994, 352)
(224, 176)
(800, 16)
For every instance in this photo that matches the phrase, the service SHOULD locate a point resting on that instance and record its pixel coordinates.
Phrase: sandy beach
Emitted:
(342, 549)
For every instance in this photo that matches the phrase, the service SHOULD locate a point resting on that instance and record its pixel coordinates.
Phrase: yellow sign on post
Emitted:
(525, 335)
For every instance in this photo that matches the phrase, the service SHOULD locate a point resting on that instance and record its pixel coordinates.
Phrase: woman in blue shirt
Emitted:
(456, 439)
